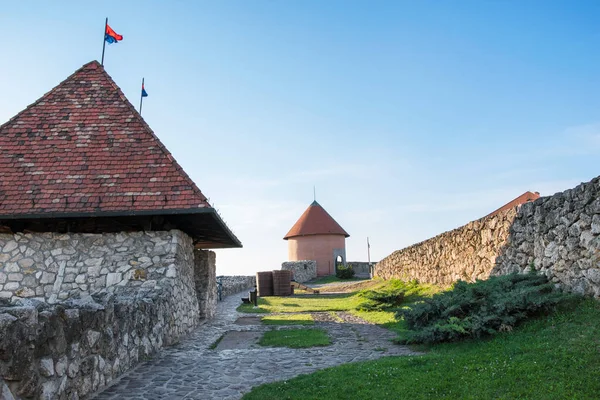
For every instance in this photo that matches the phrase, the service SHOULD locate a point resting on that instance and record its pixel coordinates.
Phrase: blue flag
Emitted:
(144, 93)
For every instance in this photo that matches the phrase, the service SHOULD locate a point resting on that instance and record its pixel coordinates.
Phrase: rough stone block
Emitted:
(171, 271)
(47, 277)
(113, 278)
(47, 367)
(60, 367)
(10, 246)
(11, 267)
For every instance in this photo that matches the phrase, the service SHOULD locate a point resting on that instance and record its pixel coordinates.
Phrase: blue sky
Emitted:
(410, 118)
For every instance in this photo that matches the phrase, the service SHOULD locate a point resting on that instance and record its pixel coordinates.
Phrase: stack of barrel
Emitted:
(274, 283)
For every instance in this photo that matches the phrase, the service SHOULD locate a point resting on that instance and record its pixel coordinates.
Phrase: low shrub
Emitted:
(344, 272)
(472, 310)
(381, 300)
(392, 296)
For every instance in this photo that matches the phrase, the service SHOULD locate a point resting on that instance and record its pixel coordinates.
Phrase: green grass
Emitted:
(333, 302)
(552, 357)
(288, 319)
(388, 319)
(304, 303)
(295, 338)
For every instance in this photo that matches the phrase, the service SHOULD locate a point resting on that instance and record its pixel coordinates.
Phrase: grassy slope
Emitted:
(556, 357)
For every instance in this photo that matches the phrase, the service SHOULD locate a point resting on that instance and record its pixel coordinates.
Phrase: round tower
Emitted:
(317, 236)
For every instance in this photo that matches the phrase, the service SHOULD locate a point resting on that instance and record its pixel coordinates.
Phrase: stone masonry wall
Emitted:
(557, 235)
(466, 253)
(53, 266)
(140, 293)
(303, 270)
(206, 282)
(361, 268)
(70, 350)
(236, 284)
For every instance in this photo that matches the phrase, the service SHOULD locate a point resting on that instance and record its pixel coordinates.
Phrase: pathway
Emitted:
(191, 370)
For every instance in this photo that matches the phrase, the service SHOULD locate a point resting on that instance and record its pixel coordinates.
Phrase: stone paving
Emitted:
(192, 370)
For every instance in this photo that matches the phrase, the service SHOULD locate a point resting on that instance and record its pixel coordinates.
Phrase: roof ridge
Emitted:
(39, 100)
(163, 148)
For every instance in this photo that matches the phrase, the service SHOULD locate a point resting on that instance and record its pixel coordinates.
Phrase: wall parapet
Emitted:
(73, 348)
(361, 268)
(466, 253)
(557, 235)
(234, 284)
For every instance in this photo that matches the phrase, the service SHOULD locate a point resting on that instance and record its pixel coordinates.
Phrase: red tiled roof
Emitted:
(315, 221)
(83, 148)
(524, 198)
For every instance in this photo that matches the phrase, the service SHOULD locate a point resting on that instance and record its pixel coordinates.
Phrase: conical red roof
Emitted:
(82, 149)
(315, 221)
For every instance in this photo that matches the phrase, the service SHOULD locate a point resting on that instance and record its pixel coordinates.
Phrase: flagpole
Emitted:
(141, 96)
(104, 40)
(369, 258)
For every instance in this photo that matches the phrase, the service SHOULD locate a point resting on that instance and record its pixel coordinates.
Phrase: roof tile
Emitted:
(522, 199)
(315, 221)
(83, 147)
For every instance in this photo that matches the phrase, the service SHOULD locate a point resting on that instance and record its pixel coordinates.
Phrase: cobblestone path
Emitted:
(191, 370)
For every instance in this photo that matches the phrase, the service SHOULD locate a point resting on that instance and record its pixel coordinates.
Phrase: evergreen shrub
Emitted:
(485, 307)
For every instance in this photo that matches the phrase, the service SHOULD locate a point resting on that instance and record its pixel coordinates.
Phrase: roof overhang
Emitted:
(204, 225)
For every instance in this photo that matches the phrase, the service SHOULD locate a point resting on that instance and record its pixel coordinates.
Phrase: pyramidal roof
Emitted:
(315, 221)
(82, 149)
(524, 198)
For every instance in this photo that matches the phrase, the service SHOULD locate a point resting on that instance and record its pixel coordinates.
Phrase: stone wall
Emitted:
(69, 350)
(107, 302)
(236, 284)
(206, 282)
(53, 266)
(361, 268)
(466, 253)
(303, 270)
(557, 235)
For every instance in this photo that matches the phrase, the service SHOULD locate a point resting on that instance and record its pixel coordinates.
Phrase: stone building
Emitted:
(103, 242)
(83, 177)
(317, 236)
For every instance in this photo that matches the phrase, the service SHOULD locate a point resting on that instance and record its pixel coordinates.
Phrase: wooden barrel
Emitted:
(264, 283)
(282, 283)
